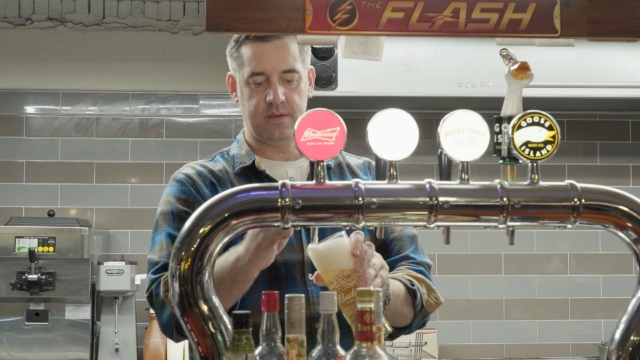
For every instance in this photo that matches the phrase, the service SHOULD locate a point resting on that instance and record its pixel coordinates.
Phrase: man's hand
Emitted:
(237, 268)
(368, 263)
(261, 246)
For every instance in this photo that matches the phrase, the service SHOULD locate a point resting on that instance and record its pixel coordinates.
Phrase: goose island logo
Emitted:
(342, 14)
(535, 135)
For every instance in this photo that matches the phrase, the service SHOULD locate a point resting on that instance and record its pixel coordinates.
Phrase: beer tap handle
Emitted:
(381, 167)
(320, 135)
(320, 177)
(444, 166)
(464, 172)
(444, 174)
(393, 135)
(446, 233)
(392, 171)
(511, 234)
(463, 136)
(534, 172)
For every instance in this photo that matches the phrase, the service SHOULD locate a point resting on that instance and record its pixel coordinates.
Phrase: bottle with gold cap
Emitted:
(295, 338)
(328, 346)
(366, 346)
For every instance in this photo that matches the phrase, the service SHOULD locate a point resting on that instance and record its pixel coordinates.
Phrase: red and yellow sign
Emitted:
(530, 18)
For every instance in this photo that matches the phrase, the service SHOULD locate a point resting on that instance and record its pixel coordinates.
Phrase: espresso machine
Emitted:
(47, 291)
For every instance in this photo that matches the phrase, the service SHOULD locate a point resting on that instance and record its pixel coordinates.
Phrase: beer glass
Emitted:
(332, 258)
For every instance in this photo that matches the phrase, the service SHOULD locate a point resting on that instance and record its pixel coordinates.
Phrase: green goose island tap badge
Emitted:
(535, 135)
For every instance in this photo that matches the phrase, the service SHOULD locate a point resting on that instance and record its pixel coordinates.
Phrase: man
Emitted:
(271, 78)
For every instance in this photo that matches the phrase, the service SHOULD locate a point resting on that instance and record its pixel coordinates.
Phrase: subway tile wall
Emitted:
(106, 157)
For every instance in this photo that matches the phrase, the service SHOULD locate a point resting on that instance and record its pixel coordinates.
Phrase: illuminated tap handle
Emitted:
(463, 136)
(320, 135)
(393, 135)
(533, 136)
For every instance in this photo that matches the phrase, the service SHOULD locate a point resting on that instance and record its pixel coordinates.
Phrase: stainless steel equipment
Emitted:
(116, 285)
(356, 203)
(427, 203)
(46, 291)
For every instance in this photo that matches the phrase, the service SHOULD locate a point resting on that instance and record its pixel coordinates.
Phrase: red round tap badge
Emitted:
(320, 134)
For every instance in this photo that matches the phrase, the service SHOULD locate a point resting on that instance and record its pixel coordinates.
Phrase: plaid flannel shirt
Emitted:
(292, 269)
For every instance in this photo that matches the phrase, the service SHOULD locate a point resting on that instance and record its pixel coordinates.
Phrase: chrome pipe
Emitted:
(374, 203)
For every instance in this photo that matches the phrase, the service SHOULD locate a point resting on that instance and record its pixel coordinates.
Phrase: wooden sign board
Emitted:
(520, 18)
(593, 19)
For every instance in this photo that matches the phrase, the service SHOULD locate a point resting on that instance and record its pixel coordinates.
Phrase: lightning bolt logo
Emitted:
(441, 17)
(342, 14)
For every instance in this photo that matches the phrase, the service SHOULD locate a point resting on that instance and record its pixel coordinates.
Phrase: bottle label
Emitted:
(365, 326)
(295, 347)
(242, 342)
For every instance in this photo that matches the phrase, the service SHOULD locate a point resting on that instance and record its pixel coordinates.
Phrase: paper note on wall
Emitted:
(363, 47)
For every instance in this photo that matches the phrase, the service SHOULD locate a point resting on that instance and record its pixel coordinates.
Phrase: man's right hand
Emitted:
(261, 246)
(253, 254)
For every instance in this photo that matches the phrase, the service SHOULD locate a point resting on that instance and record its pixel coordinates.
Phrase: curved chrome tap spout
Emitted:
(356, 203)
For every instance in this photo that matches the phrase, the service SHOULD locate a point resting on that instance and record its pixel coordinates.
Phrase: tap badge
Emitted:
(320, 134)
(535, 135)
(342, 14)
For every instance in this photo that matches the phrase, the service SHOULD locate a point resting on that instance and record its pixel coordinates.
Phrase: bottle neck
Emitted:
(328, 333)
(270, 330)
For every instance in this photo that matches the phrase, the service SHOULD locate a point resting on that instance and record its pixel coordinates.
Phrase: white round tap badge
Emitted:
(464, 135)
(393, 134)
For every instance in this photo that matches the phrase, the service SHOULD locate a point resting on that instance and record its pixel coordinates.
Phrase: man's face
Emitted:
(272, 88)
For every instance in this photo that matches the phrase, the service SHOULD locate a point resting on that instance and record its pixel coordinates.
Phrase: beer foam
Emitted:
(333, 254)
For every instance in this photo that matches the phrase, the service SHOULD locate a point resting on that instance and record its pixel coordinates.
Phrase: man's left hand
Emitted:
(372, 268)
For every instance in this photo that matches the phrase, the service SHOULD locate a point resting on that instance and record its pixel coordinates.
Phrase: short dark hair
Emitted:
(237, 41)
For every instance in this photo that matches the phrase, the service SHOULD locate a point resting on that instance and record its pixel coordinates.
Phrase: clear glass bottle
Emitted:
(366, 346)
(328, 346)
(270, 347)
(242, 346)
(383, 329)
(295, 338)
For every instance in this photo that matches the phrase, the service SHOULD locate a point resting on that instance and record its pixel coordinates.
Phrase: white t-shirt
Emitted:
(297, 170)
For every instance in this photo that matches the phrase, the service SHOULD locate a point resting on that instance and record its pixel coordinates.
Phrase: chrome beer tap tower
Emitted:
(463, 135)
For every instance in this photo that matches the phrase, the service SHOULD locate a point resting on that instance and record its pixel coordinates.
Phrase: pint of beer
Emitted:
(332, 258)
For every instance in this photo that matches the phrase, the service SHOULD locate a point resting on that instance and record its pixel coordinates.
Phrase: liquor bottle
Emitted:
(366, 346)
(328, 347)
(242, 346)
(270, 347)
(155, 343)
(382, 326)
(295, 338)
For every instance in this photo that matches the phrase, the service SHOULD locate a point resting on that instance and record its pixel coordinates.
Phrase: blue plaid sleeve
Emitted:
(179, 200)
